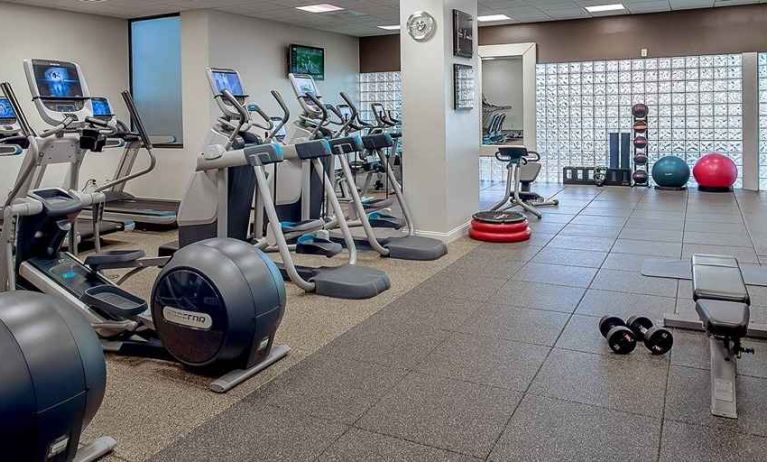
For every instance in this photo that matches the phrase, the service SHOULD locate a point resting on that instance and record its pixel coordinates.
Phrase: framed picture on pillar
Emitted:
(463, 34)
(463, 86)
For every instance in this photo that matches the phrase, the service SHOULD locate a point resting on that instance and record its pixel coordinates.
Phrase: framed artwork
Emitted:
(463, 87)
(463, 34)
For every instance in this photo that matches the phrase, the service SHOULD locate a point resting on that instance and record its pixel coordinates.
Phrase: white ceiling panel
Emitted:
(360, 17)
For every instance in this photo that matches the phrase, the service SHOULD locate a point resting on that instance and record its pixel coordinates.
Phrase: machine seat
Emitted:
(722, 318)
(113, 258)
(716, 277)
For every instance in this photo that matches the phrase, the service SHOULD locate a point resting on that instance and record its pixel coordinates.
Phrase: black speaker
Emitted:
(614, 153)
(625, 150)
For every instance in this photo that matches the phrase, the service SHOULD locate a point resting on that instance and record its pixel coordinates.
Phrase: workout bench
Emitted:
(723, 304)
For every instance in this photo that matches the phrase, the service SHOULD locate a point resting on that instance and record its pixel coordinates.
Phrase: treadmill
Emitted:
(121, 205)
(10, 136)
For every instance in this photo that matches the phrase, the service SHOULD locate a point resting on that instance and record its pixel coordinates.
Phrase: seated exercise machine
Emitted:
(54, 379)
(368, 214)
(232, 175)
(119, 204)
(12, 142)
(723, 304)
(522, 167)
(215, 306)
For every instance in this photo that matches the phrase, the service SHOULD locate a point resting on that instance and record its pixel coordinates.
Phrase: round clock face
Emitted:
(421, 26)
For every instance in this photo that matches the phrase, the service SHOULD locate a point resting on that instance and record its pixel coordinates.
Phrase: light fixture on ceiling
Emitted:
(93, 1)
(493, 17)
(394, 27)
(605, 8)
(321, 8)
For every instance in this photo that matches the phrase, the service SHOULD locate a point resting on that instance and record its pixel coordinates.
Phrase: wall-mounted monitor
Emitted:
(307, 60)
(6, 110)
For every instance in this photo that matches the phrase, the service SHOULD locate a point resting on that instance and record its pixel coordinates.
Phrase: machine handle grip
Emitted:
(244, 116)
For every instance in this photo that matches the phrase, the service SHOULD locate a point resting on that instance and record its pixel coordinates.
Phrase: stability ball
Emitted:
(671, 172)
(715, 172)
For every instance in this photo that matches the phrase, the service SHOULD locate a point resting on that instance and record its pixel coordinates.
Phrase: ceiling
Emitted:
(361, 17)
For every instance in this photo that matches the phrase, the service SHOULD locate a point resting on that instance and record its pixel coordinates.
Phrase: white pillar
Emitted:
(751, 121)
(441, 167)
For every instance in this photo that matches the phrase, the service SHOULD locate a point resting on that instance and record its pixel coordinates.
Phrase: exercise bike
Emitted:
(522, 167)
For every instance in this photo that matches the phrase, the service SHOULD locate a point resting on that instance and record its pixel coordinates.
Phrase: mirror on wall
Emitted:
(502, 100)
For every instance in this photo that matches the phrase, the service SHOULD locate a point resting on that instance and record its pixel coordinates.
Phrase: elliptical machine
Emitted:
(232, 175)
(368, 214)
(216, 305)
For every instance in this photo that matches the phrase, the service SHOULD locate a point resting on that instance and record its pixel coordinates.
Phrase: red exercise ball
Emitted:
(715, 171)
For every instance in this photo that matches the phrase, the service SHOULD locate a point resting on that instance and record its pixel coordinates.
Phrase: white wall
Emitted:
(502, 86)
(258, 50)
(98, 44)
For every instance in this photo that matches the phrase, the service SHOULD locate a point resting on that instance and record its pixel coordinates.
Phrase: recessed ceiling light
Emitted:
(394, 27)
(493, 17)
(603, 8)
(93, 1)
(321, 8)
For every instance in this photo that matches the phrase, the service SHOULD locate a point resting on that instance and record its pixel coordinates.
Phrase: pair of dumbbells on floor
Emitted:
(623, 336)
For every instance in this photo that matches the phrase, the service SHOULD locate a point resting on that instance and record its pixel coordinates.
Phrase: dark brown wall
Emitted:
(690, 32)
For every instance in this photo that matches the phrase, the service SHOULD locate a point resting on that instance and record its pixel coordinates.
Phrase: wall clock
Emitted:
(421, 26)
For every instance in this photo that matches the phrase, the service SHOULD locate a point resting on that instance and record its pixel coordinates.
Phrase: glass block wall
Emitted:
(763, 121)
(695, 107)
(380, 87)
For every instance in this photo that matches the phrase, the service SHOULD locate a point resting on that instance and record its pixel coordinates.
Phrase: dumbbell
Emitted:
(657, 339)
(621, 339)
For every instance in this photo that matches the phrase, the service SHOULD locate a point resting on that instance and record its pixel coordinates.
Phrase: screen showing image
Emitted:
(57, 80)
(307, 60)
(101, 107)
(228, 81)
(6, 110)
(305, 86)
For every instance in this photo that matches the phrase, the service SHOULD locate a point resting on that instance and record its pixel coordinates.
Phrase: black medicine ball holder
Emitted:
(641, 175)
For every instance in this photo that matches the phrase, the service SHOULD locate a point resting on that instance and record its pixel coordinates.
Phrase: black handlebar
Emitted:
(136, 119)
(320, 106)
(241, 110)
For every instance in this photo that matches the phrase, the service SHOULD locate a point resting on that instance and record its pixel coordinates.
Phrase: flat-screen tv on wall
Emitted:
(307, 60)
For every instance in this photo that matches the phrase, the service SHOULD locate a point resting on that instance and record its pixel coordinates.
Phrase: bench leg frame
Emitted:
(723, 373)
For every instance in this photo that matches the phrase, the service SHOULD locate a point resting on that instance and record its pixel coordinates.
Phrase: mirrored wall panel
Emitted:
(695, 107)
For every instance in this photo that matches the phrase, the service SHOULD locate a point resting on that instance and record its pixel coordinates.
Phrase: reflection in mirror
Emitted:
(502, 100)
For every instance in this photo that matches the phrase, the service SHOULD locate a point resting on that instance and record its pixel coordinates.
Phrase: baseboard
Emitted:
(449, 236)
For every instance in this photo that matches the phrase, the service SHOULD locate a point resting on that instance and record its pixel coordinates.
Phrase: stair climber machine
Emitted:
(239, 168)
(12, 143)
(216, 305)
(120, 205)
(369, 213)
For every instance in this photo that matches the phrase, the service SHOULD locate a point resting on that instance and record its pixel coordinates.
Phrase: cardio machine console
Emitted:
(58, 89)
(226, 79)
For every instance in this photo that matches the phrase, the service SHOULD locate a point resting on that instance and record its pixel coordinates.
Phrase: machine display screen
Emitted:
(305, 85)
(57, 80)
(101, 107)
(228, 81)
(6, 110)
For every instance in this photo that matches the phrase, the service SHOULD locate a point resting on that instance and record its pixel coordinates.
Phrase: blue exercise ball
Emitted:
(671, 172)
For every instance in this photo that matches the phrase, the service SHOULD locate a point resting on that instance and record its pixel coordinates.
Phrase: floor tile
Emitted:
(689, 400)
(518, 324)
(391, 339)
(570, 257)
(359, 445)
(648, 223)
(599, 221)
(431, 310)
(591, 231)
(599, 244)
(708, 238)
(497, 265)
(743, 254)
(602, 303)
(486, 361)
(573, 276)
(635, 283)
(625, 262)
(248, 432)
(648, 248)
(692, 443)
(454, 282)
(538, 296)
(546, 429)
(330, 387)
(443, 413)
(607, 381)
(655, 235)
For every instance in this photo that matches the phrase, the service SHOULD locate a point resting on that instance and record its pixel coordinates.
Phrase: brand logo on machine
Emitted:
(187, 318)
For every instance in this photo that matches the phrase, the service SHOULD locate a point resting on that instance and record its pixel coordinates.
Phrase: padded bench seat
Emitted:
(717, 277)
(723, 318)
